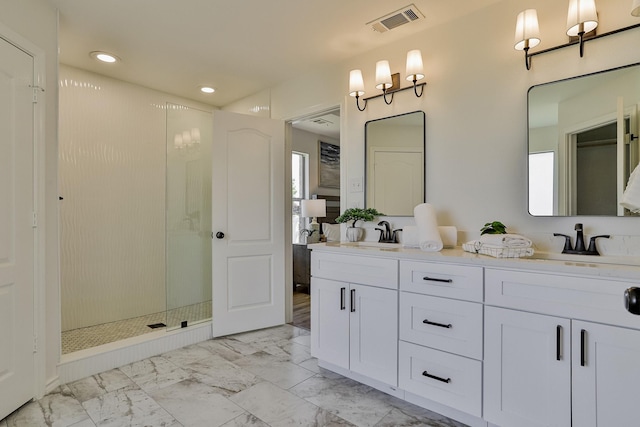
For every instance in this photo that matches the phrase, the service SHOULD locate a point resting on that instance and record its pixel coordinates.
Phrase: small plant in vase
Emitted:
(354, 233)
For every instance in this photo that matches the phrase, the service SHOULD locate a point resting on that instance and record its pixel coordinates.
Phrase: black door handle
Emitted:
(220, 235)
(342, 291)
(558, 342)
(632, 300)
(353, 300)
(583, 350)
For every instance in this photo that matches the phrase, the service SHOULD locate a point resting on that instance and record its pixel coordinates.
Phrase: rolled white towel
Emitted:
(448, 235)
(631, 196)
(428, 233)
(506, 240)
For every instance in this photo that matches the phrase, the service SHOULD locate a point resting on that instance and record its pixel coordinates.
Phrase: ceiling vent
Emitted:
(395, 19)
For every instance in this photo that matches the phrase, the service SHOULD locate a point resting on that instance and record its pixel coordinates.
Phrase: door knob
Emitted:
(220, 235)
(632, 300)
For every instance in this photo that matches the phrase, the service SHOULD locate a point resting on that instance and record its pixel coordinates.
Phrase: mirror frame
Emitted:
(424, 147)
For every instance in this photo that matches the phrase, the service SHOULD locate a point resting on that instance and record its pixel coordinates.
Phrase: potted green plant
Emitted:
(495, 227)
(354, 233)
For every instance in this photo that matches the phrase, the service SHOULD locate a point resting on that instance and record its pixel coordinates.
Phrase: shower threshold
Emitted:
(93, 336)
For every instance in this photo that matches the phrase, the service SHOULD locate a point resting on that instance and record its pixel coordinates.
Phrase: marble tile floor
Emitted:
(259, 378)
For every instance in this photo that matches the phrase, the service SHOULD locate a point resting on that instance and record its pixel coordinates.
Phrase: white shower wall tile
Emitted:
(112, 155)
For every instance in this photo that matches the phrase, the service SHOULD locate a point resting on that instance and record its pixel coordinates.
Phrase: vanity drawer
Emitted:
(443, 280)
(577, 297)
(454, 381)
(382, 272)
(444, 324)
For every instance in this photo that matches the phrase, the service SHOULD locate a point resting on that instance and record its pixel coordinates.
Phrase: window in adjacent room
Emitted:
(299, 191)
(541, 183)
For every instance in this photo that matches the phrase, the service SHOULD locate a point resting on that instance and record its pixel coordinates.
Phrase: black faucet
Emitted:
(386, 235)
(579, 248)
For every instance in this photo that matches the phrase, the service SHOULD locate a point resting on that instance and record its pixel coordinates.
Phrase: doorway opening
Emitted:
(309, 181)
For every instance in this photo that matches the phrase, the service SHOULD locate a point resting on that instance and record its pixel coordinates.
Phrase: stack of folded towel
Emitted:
(631, 195)
(500, 245)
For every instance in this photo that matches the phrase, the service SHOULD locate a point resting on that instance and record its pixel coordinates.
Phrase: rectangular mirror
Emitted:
(583, 143)
(394, 163)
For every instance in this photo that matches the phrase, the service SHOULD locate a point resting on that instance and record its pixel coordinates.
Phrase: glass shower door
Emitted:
(188, 216)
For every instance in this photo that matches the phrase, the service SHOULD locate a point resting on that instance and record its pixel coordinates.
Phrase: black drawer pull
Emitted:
(442, 325)
(444, 380)
(342, 290)
(434, 279)
(353, 300)
(558, 342)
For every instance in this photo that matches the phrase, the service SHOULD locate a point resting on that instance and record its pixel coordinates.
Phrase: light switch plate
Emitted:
(355, 185)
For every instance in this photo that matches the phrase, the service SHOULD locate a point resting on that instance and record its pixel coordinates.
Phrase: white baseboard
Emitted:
(84, 363)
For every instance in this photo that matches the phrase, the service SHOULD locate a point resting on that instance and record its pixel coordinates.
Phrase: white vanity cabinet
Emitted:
(354, 314)
(606, 375)
(559, 348)
(440, 355)
(527, 372)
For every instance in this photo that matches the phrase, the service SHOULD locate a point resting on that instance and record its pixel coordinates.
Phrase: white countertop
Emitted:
(625, 268)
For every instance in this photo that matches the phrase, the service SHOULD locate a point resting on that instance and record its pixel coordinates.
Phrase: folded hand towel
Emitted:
(506, 240)
(631, 196)
(477, 247)
(428, 234)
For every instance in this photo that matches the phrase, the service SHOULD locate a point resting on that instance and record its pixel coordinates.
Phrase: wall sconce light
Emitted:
(527, 33)
(387, 82)
(582, 18)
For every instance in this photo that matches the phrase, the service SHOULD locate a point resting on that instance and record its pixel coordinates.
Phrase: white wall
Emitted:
(475, 105)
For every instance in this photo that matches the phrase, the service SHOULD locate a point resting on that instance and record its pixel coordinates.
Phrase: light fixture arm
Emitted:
(581, 41)
(415, 87)
(527, 58)
(358, 103)
(384, 95)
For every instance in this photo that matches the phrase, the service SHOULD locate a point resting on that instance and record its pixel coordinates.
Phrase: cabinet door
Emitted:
(374, 333)
(330, 321)
(527, 368)
(606, 375)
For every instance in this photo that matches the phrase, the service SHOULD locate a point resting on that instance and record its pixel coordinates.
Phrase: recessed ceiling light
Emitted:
(207, 89)
(104, 57)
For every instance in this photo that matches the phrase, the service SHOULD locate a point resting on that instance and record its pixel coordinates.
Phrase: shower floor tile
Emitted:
(92, 336)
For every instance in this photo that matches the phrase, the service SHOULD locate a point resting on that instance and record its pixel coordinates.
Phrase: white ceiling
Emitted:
(238, 46)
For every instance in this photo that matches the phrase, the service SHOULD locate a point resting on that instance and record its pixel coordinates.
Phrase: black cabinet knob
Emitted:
(220, 235)
(632, 300)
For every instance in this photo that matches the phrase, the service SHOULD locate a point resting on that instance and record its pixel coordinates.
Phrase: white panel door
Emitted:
(16, 231)
(605, 375)
(248, 223)
(527, 369)
(395, 169)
